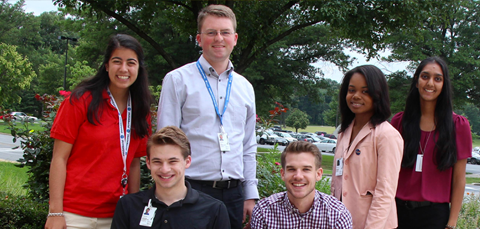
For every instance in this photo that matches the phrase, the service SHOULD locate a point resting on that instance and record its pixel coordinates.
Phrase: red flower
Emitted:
(65, 93)
(277, 163)
(37, 97)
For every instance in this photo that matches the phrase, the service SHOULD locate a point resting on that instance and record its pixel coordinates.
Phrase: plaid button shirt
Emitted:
(276, 211)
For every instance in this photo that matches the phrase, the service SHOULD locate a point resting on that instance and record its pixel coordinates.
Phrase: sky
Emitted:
(329, 69)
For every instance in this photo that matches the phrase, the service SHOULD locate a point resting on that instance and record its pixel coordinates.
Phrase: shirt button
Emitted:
(220, 80)
(223, 171)
(346, 177)
(165, 221)
(221, 97)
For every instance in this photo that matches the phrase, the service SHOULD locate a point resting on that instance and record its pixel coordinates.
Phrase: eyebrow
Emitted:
(116, 57)
(354, 86)
(427, 72)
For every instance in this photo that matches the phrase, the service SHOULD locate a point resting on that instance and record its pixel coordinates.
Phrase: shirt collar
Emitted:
(287, 204)
(209, 70)
(190, 198)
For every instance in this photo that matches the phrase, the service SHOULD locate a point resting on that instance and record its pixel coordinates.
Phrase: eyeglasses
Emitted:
(214, 33)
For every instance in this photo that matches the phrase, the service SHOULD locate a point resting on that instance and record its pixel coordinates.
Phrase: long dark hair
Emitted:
(139, 91)
(377, 89)
(445, 146)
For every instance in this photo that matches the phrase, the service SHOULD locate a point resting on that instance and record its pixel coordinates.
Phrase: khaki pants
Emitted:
(75, 221)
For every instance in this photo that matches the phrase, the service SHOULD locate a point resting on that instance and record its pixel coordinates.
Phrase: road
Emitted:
(6, 151)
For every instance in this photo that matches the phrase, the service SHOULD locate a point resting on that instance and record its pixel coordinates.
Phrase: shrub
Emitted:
(21, 212)
(469, 213)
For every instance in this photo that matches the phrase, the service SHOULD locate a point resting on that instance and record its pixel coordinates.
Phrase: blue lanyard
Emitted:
(209, 88)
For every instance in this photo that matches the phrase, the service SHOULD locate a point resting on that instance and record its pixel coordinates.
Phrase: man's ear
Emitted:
(319, 174)
(148, 163)
(188, 161)
(282, 174)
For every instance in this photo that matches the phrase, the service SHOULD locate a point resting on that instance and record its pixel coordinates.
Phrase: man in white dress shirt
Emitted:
(215, 107)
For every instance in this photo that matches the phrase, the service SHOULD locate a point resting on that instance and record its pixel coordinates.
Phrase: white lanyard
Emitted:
(124, 138)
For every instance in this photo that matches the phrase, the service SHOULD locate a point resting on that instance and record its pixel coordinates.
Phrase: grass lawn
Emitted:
(313, 129)
(37, 126)
(12, 179)
(471, 180)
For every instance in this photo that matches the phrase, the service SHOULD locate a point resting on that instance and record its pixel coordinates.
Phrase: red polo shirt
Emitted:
(432, 184)
(95, 166)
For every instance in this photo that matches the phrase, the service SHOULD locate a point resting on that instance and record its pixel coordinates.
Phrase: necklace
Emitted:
(425, 146)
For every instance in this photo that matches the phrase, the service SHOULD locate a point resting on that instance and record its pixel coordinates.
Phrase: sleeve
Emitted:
(344, 220)
(463, 137)
(222, 220)
(257, 221)
(70, 116)
(142, 147)
(250, 151)
(120, 217)
(389, 147)
(397, 121)
(169, 105)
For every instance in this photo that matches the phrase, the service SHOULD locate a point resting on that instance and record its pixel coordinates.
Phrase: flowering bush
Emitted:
(469, 216)
(266, 123)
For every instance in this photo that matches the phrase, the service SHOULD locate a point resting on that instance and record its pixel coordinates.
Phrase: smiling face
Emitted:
(167, 167)
(300, 176)
(217, 49)
(122, 69)
(430, 83)
(358, 98)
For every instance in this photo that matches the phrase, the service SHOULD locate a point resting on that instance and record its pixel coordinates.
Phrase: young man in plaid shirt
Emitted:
(301, 206)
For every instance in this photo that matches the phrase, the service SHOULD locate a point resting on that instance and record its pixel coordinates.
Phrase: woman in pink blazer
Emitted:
(369, 150)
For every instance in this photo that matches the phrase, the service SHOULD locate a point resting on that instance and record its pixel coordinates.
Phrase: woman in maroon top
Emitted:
(437, 144)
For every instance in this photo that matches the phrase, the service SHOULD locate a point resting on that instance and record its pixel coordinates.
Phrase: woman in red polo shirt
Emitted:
(437, 145)
(100, 133)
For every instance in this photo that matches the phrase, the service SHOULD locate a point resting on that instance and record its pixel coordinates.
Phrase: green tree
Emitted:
(297, 119)
(471, 112)
(278, 40)
(15, 74)
(452, 33)
(331, 117)
(399, 85)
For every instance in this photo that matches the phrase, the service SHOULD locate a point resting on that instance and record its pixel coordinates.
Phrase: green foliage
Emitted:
(469, 216)
(450, 31)
(19, 212)
(78, 72)
(12, 179)
(471, 112)
(15, 74)
(278, 40)
(297, 119)
(37, 150)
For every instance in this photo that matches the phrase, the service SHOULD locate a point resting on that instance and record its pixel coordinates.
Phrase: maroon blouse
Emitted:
(432, 184)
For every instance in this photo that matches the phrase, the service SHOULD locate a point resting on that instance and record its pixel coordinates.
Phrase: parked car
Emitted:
(475, 159)
(287, 136)
(331, 136)
(320, 133)
(268, 137)
(327, 145)
(303, 137)
(20, 116)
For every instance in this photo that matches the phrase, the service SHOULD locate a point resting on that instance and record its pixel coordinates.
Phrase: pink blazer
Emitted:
(370, 174)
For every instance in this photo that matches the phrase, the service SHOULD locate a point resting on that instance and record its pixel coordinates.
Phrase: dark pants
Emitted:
(434, 216)
(232, 198)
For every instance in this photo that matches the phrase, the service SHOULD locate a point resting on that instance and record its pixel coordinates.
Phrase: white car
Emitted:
(327, 145)
(475, 159)
(287, 136)
(20, 116)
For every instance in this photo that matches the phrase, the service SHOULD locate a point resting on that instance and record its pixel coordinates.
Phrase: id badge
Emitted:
(418, 164)
(223, 140)
(148, 215)
(339, 167)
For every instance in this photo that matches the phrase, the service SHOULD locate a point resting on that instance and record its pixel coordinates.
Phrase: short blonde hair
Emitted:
(170, 135)
(218, 11)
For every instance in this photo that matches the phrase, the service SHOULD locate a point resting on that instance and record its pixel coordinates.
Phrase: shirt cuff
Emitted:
(250, 190)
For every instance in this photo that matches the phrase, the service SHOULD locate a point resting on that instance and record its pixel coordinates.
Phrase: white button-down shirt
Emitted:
(186, 103)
